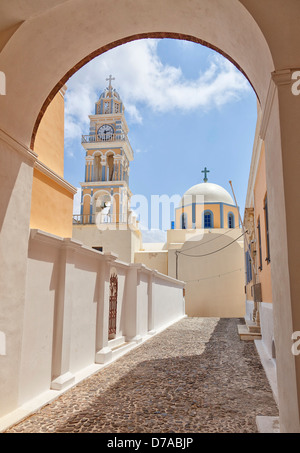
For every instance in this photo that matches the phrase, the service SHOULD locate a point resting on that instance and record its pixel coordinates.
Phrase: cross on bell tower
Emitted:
(109, 79)
(205, 171)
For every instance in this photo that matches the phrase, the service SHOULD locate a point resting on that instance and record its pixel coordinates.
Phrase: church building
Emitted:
(106, 221)
(204, 248)
(204, 245)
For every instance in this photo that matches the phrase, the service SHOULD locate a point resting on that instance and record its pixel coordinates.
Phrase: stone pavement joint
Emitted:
(197, 376)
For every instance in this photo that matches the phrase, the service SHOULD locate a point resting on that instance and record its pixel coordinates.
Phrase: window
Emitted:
(259, 244)
(194, 215)
(97, 167)
(248, 266)
(106, 107)
(183, 221)
(208, 223)
(267, 230)
(230, 220)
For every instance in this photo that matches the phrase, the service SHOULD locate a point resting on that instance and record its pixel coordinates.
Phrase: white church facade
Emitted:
(204, 248)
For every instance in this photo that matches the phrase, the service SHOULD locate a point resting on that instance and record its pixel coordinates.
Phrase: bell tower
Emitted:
(108, 153)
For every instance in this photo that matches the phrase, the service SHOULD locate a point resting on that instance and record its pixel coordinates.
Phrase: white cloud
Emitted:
(134, 114)
(143, 80)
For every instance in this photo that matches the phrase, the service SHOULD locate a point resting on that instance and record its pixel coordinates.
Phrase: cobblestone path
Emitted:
(195, 377)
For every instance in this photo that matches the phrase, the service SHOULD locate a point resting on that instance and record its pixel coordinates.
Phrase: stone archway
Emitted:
(96, 53)
(245, 31)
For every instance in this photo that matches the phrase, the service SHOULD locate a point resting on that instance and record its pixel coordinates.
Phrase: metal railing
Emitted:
(103, 138)
(100, 138)
(83, 219)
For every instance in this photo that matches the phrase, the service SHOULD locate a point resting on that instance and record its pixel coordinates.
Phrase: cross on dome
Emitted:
(205, 171)
(110, 78)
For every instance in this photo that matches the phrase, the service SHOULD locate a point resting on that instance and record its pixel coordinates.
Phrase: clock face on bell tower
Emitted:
(105, 132)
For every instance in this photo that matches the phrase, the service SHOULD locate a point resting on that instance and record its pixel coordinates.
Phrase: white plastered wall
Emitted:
(67, 290)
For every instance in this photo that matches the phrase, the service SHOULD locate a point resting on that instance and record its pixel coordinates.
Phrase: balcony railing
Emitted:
(100, 138)
(107, 221)
(103, 138)
(82, 219)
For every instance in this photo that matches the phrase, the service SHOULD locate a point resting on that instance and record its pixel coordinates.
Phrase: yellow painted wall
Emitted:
(249, 296)
(234, 210)
(51, 206)
(86, 202)
(51, 203)
(188, 211)
(215, 208)
(90, 152)
(178, 213)
(49, 142)
(260, 190)
(154, 260)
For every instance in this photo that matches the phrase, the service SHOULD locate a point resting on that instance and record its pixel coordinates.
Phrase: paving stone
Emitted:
(196, 376)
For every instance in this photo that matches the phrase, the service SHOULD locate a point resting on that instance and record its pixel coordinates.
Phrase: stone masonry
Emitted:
(197, 376)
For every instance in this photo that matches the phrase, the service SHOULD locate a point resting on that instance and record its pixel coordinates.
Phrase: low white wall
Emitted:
(266, 324)
(267, 327)
(168, 302)
(249, 309)
(37, 342)
(142, 301)
(67, 308)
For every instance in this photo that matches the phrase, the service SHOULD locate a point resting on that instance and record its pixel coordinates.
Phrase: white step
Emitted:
(121, 349)
(246, 335)
(116, 342)
(253, 327)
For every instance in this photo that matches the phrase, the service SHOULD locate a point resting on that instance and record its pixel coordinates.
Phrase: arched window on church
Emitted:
(102, 207)
(97, 176)
(106, 107)
(231, 220)
(110, 167)
(183, 222)
(208, 219)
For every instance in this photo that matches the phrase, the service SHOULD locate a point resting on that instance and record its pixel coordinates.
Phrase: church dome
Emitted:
(109, 101)
(110, 93)
(212, 193)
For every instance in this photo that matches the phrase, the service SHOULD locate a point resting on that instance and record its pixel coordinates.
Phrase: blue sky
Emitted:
(186, 106)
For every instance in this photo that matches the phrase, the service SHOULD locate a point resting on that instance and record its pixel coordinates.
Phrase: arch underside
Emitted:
(100, 51)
